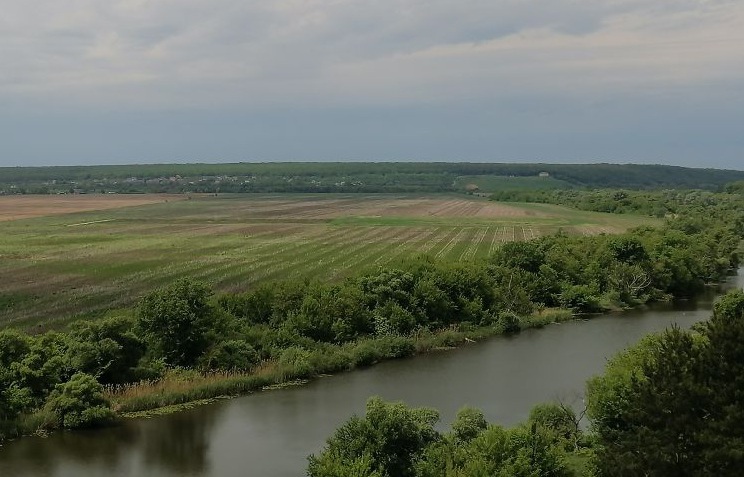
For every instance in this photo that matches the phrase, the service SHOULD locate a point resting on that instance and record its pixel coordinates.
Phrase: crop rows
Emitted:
(52, 271)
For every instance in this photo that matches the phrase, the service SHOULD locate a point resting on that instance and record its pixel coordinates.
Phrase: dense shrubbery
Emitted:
(671, 405)
(394, 440)
(80, 403)
(674, 404)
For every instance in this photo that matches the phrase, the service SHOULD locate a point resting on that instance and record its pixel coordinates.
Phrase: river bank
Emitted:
(271, 433)
(182, 389)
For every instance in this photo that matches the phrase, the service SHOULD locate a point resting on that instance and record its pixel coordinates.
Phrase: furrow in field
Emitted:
(472, 250)
(361, 255)
(464, 244)
(444, 235)
(402, 247)
(330, 264)
(308, 258)
(445, 250)
(434, 239)
(344, 250)
(263, 253)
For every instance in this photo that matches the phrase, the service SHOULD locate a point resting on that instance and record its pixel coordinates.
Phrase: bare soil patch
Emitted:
(15, 207)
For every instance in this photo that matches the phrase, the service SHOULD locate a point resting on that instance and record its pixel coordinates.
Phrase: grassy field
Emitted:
(80, 264)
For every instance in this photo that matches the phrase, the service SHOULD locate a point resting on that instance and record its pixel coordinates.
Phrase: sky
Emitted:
(562, 81)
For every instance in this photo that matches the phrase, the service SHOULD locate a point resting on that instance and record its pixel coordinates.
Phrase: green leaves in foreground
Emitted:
(394, 440)
(674, 404)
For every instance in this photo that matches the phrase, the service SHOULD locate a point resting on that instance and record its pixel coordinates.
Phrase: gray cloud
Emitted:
(496, 59)
(226, 51)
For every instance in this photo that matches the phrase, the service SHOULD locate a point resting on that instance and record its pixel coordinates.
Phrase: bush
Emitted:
(80, 403)
(177, 320)
(232, 355)
(508, 322)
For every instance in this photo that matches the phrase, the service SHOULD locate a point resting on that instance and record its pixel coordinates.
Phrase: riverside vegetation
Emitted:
(670, 405)
(181, 345)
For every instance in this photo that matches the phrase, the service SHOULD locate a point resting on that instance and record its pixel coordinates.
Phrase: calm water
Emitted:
(271, 433)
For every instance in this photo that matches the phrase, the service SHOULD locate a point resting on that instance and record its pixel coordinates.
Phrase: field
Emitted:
(16, 207)
(81, 264)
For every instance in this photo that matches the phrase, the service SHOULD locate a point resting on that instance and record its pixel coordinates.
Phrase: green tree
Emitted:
(177, 320)
(649, 421)
(386, 442)
(724, 374)
(80, 403)
(232, 355)
(107, 349)
(468, 423)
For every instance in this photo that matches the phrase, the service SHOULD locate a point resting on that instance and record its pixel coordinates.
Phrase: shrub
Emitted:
(80, 403)
(232, 355)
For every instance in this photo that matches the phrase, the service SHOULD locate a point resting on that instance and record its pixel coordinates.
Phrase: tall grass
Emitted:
(296, 365)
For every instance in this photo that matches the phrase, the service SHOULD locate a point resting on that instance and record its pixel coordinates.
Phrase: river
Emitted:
(271, 433)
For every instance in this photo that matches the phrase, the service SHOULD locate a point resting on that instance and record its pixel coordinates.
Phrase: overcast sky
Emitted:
(136, 81)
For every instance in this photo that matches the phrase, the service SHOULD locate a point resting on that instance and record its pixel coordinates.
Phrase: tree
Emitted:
(559, 421)
(649, 416)
(724, 373)
(107, 349)
(80, 403)
(177, 320)
(233, 355)
(385, 443)
(469, 422)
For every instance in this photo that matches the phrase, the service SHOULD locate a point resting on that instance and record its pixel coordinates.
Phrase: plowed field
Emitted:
(82, 256)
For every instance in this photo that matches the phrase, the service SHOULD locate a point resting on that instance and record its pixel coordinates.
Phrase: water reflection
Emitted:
(180, 445)
(41, 456)
(175, 446)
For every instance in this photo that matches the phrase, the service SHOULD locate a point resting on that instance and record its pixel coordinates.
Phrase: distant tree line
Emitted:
(308, 328)
(658, 203)
(340, 177)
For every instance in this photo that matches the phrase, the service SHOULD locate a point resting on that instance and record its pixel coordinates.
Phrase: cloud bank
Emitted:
(540, 72)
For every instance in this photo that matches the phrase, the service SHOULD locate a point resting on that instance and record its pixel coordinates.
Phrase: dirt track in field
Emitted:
(15, 207)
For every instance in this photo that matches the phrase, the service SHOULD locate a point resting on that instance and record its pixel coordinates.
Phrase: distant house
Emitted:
(544, 174)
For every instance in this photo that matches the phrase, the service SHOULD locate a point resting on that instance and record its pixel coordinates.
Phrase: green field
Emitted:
(56, 268)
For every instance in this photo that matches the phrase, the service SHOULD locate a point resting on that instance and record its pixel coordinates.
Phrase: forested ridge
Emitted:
(341, 177)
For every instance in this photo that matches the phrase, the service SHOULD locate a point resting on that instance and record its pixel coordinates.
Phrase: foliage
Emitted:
(558, 421)
(395, 440)
(672, 405)
(80, 403)
(232, 355)
(468, 424)
(107, 349)
(350, 177)
(386, 442)
(176, 320)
